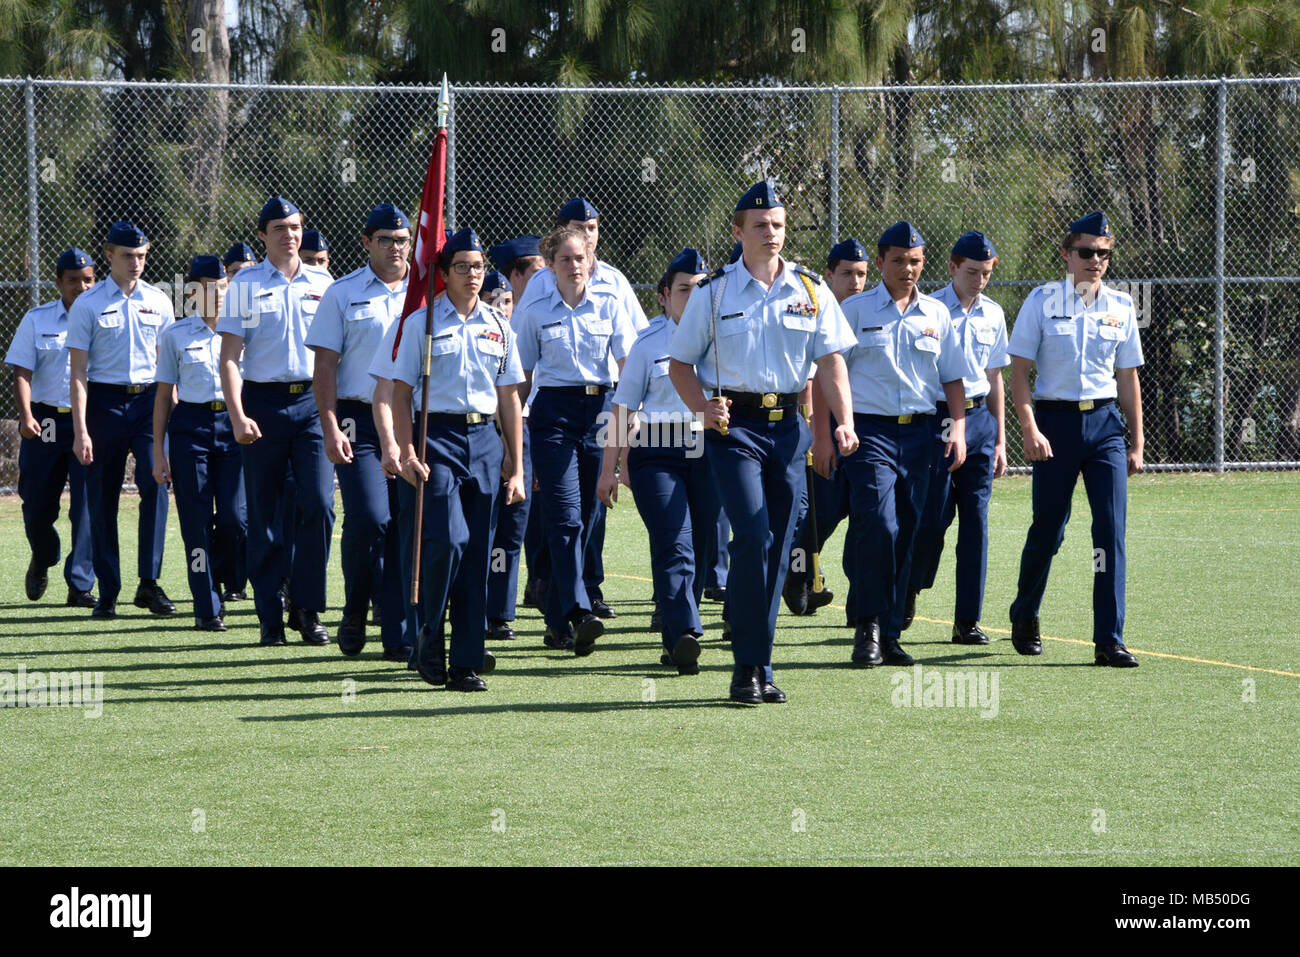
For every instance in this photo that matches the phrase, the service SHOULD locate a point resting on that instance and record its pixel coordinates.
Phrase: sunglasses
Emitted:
(1087, 252)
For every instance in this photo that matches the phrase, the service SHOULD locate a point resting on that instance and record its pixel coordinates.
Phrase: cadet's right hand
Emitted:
(337, 448)
(717, 414)
(414, 472)
(1037, 448)
(246, 430)
(390, 464)
(162, 473)
(30, 428)
(83, 450)
(823, 456)
(607, 488)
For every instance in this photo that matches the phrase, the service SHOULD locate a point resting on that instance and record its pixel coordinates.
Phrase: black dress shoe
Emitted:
(431, 659)
(909, 609)
(150, 595)
(376, 614)
(210, 624)
(293, 616)
(352, 634)
(795, 594)
(499, 630)
(400, 653)
(602, 610)
(104, 610)
(36, 580)
(747, 684)
(586, 629)
(1115, 656)
(772, 694)
(657, 619)
(866, 645)
(686, 655)
(968, 633)
(816, 599)
(557, 642)
(231, 594)
(273, 636)
(715, 593)
(489, 663)
(893, 654)
(666, 659)
(1025, 637)
(464, 679)
(80, 599)
(311, 629)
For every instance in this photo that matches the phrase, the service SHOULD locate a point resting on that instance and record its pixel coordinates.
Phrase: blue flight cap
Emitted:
(759, 196)
(849, 250)
(240, 253)
(578, 208)
(126, 233)
(688, 261)
(386, 216)
(1094, 224)
(73, 259)
(736, 252)
(494, 281)
(277, 207)
(460, 241)
(974, 245)
(526, 245)
(206, 267)
(902, 234)
(314, 242)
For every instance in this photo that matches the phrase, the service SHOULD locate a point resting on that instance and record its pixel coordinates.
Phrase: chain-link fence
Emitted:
(1200, 178)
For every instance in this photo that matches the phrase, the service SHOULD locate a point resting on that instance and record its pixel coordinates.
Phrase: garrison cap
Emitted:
(386, 216)
(206, 267)
(240, 253)
(526, 245)
(126, 233)
(1094, 224)
(849, 250)
(736, 252)
(313, 241)
(974, 245)
(902, 234)
(689, 261)
(461, 241)
(494, 281)
(72, 259)
(578, 208)
(759, 196)
(277, 207)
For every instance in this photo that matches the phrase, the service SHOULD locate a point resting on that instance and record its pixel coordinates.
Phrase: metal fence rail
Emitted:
(1200, 178)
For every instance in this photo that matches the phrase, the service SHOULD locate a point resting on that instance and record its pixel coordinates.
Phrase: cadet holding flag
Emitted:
(750, 332)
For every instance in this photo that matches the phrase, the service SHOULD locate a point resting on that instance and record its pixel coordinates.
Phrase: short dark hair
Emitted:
(517, 265)
(445, 258)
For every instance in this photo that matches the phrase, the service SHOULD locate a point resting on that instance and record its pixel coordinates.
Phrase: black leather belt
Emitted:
(457, 418)
(970, 403)
(215, 406)
(288, 388)
(762, 400)
(575, 389)
(1061, 405)
(120, 389)
(910, 418)
(44, 408)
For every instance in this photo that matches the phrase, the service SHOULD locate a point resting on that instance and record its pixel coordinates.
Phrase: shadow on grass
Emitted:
(576, 707)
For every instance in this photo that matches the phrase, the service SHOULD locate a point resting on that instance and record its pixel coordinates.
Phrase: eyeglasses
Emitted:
(464, 269)
(1087, 252)
(391, 242)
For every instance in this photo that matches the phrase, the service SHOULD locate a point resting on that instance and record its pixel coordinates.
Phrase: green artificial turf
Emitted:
(212, 750)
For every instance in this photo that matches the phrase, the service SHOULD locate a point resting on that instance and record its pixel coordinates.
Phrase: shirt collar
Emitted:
(558, 300)
(747, 277)
(370, 277)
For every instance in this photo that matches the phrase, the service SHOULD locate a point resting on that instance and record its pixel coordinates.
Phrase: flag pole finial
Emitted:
(444, 103)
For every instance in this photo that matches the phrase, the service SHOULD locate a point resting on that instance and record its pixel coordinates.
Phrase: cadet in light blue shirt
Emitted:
(774, 319)
(267, 312)
(39, 357)
(113, 333)
(907, 359)
(1083, 339)
(200, 456)
(982, 335)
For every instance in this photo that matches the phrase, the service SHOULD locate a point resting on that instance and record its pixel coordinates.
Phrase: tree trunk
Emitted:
(208, 49)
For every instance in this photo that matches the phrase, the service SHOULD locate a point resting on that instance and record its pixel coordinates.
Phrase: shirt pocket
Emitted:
(738, 324)
(444, 356)
(659, 369)
(925, 351)
(110, 319)
(554, 339)
(595, 335)
(982, 344)
(51, 343)
(1058, 340)
(265, 312)
(361, 314)
(1107, 341)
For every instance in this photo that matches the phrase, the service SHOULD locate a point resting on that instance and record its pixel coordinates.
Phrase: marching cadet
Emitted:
(1083, 339)
(668, 474)
(355, 313)
(204, 467)
(315, 251)
(906, 358)
(981, 331)
(498, 293)
(473, 370)
(750, 332)
(568, 340)
(237, 257)
(39, 357)
(113, 332)
(267, 311)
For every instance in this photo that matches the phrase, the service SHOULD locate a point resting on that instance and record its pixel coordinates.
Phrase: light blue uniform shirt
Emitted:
(608, 281)
(564, 346)
(1076, 348)
(354, 314)
(470, 357)
(982, 334)
(189, 356)
(40, 346)
(118, 333)
(900, 363)
(768, 339)
(272, 315)
(645, 384)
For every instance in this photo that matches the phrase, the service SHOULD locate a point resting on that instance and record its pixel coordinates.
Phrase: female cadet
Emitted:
(669, 476)
(205, 467)
(473, 369)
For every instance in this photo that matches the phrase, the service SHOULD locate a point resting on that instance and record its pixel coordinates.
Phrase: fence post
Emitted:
(835, 165)
(1220, 219)
(450, 191)
(33, 226)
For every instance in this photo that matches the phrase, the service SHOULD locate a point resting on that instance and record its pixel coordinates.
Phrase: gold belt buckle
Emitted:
(474, 418)
(769, 401)
(593, 390)
(216, 405)
(134, 389)
(905, 419)
(62, 409)
(775, 415)
(1086, 405)
(970, 403)
(296, 388)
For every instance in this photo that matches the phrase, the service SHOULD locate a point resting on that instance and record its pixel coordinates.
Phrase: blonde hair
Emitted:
(560, 235)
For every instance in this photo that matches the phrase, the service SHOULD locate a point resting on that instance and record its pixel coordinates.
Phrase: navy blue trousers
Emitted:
(758, 470)
(291, 434)
(43, 469)
(889, 480)
(1092, 444)
(413, 614)
(208, 481)
(119, 424)
(459, 507)
(678, 502)
(716, 560)
(370, 541)
(963, 493)
(511, 525)
(566, 460)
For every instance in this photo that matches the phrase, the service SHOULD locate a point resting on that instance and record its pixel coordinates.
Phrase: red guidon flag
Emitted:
(429, 236)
